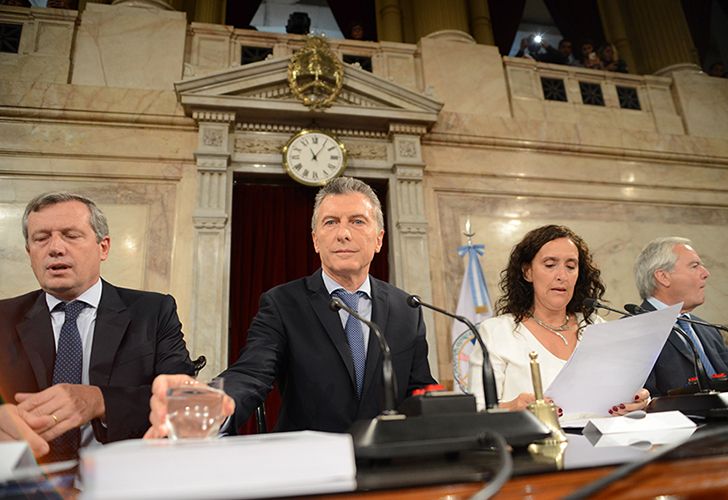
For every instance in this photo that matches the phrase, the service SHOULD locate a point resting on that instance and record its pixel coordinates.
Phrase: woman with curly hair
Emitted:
(549, 274)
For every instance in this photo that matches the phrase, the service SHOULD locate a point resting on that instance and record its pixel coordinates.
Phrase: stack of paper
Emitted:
(267, 465)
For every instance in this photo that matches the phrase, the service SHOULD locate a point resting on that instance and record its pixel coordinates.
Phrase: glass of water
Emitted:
(194, 410)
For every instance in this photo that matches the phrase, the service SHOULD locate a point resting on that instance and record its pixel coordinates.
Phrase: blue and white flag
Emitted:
(474, 303)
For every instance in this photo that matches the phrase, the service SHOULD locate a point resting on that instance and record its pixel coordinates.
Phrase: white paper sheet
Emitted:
(255, 466)
(612, 362)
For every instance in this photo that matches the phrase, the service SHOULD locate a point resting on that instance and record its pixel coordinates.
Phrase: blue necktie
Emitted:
(68, 370)
(355, 336)
(698, 347)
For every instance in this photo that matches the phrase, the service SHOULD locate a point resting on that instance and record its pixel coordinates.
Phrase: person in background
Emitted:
(549, 274)
(717, 69)
(669, 271)
(610, 59)
(589, 58)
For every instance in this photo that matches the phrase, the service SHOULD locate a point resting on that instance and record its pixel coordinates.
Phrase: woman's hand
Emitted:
(640, 402)
(522, 401)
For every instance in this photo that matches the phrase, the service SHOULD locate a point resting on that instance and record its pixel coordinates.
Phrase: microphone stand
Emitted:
(392, 434)
(706, 403)
(489, 389)
(390, 382)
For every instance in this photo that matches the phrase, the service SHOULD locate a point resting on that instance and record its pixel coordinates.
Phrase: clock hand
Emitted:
(321, 149)
(314, 156)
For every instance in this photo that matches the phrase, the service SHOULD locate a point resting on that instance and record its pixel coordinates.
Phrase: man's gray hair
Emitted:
(97, 219)
(346, 185)
(658, 254)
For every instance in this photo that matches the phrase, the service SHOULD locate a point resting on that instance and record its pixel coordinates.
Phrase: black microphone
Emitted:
(701, 376)
(591, 303)
(390, 382)
(489, 390)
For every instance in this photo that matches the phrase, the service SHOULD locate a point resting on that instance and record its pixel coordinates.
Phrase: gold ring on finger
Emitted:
(55, 419)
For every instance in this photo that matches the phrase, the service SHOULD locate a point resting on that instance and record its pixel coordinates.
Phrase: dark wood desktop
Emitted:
(695, 470)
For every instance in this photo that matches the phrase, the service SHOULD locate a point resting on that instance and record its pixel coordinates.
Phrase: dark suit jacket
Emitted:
(296, 339)
(137, 337)
(674, 366)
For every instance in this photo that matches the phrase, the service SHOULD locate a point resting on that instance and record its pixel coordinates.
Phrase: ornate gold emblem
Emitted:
(315, 74)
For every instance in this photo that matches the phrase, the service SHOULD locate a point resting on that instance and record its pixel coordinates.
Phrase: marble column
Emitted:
(659, 35)
(480, 23)
(390, 17)
(436, 15)
(616, 31)
(412, 258)
(209, 314)
(210, 11)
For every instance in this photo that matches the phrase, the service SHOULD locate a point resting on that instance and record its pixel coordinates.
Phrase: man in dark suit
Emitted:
(669, 271)
(329, 366)
(86, 375)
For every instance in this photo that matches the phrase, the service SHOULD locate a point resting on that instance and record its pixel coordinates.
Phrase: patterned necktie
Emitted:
(354, 336)
(698, 347)
(67, 370)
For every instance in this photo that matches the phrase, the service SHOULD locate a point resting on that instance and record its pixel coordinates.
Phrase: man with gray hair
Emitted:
(669, 271)
(78, 356)
(327, 364)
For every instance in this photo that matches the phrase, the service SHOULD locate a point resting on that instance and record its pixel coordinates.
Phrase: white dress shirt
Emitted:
(364, 308)
(86, 323)
(509, 346)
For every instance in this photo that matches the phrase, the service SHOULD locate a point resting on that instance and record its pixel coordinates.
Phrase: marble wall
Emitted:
(111, 126)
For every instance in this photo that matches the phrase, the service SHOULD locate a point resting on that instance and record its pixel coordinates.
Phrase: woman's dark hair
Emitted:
(517, 293)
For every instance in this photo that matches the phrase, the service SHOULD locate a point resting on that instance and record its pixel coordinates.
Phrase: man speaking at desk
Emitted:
(77, 358)
(328, 365)
(669, 271)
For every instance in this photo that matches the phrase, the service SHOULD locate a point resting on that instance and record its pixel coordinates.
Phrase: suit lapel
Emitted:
(674, 338)
(36, 335)
(380, 315)
(704, 336)
(319, 299)
(112, 320)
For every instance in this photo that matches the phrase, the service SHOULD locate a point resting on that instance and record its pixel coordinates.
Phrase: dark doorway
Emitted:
(271, 244)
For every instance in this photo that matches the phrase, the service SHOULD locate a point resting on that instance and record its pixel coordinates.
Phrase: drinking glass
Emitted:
(194, 410)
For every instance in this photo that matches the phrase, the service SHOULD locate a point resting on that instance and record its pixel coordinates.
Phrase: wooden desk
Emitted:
(701, 477)
(686, 478)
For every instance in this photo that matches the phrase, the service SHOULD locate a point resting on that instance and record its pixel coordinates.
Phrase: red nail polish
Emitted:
(622, 406)
(637, 397)
(615, 408)
(610, 412)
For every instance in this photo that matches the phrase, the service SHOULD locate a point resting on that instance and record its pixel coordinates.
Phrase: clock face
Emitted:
(313, 158)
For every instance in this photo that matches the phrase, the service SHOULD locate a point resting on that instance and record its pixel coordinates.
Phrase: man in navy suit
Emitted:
(296, 339)
(120, 339)
(669, 271)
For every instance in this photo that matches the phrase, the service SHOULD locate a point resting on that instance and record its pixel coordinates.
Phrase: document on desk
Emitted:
(279, 464)
(611, 363)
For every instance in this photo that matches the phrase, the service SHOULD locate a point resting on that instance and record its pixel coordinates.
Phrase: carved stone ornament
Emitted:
(408, 149)
(212, 138)
(315, 74)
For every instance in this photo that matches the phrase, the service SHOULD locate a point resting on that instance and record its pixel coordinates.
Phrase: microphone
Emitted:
(444, 433)
(706, 403)
(489, 389)
(591, 303)
(701, 376)
(390, 382)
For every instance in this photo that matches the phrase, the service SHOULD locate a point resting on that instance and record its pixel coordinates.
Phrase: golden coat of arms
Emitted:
(315, 74)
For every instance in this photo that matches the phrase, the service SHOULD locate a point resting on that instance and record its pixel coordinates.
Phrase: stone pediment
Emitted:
(260, 92)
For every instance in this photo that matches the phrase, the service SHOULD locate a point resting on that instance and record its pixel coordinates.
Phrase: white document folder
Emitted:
(257, 466)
